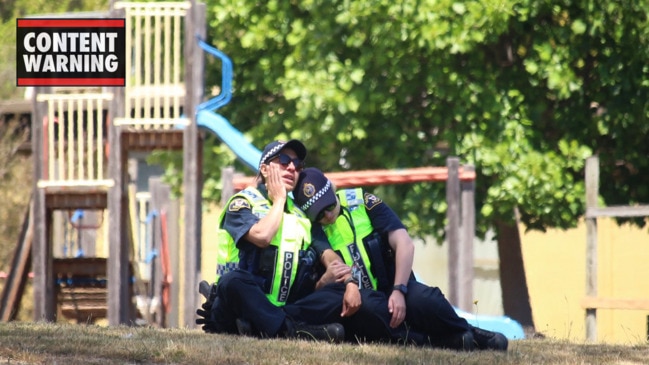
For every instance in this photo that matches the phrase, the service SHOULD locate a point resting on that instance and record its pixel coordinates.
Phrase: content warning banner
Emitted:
(70, 52)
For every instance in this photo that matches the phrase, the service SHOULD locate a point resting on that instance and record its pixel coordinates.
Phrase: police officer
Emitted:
(263, 248)
(373, 241)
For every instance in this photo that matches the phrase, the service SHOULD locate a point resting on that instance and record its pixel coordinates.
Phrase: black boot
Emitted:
(207, 291)
(330, 332)
(245, 328)
(460, 341)
(463, 341)
(488, 340)
(207, 314)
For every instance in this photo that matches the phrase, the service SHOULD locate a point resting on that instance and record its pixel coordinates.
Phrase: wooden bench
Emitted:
(85, 305)
(81, 291)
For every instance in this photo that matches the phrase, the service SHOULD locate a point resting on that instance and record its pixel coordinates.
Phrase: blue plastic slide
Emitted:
(503, 324)
(231, 136)
(207, 118)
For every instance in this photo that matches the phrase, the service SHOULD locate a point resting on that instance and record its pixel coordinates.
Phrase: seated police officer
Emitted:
(372, 240)
(268, 271)
(262, 236)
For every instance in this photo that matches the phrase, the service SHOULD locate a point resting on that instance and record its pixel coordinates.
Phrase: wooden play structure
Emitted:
(82, 139)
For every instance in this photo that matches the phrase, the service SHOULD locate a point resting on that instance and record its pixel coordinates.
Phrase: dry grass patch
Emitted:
(46, 343)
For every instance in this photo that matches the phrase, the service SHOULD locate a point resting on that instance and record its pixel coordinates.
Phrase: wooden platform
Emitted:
(149, 140)
(84, 305)
(71, 198)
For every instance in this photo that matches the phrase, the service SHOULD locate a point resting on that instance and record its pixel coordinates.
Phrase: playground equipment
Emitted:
(206, 116)
(82, 140)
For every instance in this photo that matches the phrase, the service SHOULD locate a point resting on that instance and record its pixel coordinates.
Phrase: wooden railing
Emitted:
(73, 138)
(155, 89)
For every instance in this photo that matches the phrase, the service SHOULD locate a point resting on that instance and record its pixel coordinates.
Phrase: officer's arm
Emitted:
(404, 250)
(262, 232)
(384, 217)
(336, 270)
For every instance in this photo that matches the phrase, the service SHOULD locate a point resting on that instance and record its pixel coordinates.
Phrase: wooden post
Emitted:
(160, 197)
(173, 217)
(14, 286)
(118, 258)
(44, 301)
(119, 300)
(227, 176)
(453, 231)
(467, 189)
(592, 193)
(192, 161)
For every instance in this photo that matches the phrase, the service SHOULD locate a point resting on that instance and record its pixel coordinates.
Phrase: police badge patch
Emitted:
(308, 190)
(371, 201)
(238, 204)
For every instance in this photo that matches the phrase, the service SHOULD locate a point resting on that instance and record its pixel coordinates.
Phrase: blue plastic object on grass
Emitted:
(503, 324)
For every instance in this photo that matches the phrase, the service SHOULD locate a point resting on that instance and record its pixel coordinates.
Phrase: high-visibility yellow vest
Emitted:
(347, 233)
(293, 236)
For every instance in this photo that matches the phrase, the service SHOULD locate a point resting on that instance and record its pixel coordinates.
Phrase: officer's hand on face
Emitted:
(275, 185)
(397, 306)
(351, 300)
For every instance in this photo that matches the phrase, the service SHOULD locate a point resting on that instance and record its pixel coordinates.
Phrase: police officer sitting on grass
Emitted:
(373, 241)
(265, 265)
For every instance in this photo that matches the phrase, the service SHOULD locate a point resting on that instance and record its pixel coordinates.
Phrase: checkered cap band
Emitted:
(316, 196)
(271, 152)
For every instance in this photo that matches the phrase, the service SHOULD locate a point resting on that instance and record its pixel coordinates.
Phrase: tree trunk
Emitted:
(513, 282)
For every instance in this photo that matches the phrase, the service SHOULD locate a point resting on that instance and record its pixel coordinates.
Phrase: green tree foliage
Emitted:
(524, 90)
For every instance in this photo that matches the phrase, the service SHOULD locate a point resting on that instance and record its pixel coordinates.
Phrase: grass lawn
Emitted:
(46, 343)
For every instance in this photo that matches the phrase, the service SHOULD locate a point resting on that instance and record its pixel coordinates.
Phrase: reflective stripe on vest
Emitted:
(341, 234)
(294, 235)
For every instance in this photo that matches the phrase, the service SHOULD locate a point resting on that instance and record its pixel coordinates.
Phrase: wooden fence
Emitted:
(592, 301)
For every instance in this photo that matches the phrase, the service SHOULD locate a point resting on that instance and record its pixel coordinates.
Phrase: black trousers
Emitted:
(239, 295)
(430, 313)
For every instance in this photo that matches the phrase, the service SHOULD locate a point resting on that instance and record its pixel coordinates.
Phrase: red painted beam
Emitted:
(347, 179)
